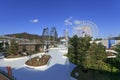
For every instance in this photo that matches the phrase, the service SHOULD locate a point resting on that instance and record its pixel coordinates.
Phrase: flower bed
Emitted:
(38, 61)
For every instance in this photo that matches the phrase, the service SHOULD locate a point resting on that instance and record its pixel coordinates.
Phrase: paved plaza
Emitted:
(59, 67)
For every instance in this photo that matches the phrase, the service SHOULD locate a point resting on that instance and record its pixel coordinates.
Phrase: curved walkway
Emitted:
(59, 68)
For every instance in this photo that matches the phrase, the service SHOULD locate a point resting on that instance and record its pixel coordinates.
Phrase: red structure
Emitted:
(9, 70)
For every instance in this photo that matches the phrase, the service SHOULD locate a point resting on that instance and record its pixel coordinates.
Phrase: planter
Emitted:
(38, 67)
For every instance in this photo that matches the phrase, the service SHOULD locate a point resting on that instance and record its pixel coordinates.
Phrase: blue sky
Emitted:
(17, 16)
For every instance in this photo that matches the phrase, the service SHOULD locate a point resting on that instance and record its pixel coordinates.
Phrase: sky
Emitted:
(31, 16)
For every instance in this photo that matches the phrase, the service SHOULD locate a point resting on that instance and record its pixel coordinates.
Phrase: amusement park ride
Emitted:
(85, 28)
(50, 35)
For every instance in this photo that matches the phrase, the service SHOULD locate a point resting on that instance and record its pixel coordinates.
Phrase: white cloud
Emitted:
(68, 21)
(34, 20)
(77, 22)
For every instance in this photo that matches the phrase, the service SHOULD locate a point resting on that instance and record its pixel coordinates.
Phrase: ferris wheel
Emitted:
(85, 28)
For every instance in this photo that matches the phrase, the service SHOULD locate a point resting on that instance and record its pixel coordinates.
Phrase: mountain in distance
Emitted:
(24, 35)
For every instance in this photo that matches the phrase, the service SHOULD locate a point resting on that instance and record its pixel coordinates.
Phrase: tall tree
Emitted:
(78, 49)
(1, 46)
(86, 54)
(73, 50)
(13, 48)
(95, 55)
(117, 48)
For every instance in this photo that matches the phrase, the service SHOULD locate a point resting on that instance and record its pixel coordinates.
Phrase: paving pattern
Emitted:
(59, 67)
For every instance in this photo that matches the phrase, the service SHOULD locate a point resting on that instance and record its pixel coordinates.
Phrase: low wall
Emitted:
(71, 78)
(10, 59)
(65, 57)
(54, 48)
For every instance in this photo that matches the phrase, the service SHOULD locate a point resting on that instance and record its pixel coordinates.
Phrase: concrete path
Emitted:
(59, 68)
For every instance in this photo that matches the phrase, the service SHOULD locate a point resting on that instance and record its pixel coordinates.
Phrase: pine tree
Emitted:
(13, 48)
(86, 54)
